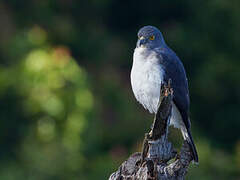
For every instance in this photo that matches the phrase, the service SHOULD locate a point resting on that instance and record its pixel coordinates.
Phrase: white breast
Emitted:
(146, 78)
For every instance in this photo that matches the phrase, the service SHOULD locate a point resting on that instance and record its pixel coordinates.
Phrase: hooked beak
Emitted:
(141, 42)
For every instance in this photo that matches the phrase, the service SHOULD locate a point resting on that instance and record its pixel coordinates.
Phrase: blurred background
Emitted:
(67, 110)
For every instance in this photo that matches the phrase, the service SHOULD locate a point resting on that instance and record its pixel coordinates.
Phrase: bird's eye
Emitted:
(152, 37)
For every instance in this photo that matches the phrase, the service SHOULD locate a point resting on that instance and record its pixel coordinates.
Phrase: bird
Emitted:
(154, 64)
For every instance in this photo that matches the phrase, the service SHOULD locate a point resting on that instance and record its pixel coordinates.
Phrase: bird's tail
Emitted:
(188, 137)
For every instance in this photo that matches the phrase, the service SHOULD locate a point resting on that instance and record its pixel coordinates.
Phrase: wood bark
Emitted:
(153, 162)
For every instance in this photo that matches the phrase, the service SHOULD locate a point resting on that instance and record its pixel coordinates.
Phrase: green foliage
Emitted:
(56, 98)
(66, 106)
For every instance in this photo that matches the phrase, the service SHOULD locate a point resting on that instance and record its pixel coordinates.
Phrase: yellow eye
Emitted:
(152, 37)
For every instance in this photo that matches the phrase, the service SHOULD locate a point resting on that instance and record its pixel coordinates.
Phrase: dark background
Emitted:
(67, 110)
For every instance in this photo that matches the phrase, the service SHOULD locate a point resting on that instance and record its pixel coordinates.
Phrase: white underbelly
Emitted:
(146, 79)
(146, 84)
(176, 118)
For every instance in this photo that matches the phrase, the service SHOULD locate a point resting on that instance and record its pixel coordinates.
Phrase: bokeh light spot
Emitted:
(37, 35)
(53, 106)
(37, 60)
(46, 129)
(84, 99)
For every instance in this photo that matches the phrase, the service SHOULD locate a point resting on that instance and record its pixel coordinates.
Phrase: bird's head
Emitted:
(150, 37)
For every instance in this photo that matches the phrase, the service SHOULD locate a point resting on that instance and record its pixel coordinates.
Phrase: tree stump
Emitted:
(152, 162)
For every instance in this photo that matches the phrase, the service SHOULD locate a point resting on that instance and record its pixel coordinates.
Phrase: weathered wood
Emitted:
(152, 163)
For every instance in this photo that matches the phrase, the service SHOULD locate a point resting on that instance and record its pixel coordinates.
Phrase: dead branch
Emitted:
(152, 163)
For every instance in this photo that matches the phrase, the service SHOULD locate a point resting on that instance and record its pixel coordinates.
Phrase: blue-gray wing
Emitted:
(175, 71)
